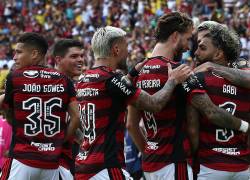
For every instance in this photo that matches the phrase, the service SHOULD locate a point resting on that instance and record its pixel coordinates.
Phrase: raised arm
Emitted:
(238, 77)
(157, 101)
(134, 130)
(217, 115)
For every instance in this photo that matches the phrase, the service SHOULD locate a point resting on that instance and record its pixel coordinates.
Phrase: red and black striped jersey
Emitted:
(39, 98)
(166, 137)
(103, 98)
(220, 148)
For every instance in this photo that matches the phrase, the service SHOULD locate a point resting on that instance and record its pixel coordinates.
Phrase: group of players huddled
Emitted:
(69, 124)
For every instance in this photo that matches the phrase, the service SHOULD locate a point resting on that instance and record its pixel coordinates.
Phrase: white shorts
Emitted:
(211, 174)
(167, 172)
(65, 174)
(117, 174)
(21, 171)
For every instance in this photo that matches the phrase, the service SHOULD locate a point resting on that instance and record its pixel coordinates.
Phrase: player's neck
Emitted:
(163, 49)
(108, 62)
(39, 62)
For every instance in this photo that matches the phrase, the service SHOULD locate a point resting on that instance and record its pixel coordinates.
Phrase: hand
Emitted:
(179, 74)
(208, 66)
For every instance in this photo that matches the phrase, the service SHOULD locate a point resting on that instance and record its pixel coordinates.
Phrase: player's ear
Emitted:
(219, 54)
(175, 36)
(115, 49)
(58, 59)
(34, 53)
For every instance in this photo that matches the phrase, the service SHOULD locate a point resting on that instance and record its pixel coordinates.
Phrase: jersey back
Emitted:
(102, 110)
(39, 97)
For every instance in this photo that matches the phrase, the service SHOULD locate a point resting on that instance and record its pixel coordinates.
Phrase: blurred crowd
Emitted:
(80, 18)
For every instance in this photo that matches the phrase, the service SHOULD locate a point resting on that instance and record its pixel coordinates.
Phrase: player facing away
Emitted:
(103, 96)
(223, 153)
(68, 56)
(36, 101)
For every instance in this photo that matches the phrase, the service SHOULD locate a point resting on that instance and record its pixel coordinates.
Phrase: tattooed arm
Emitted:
(158, 100)
(238, 77)
(215, 114)
(193, 126)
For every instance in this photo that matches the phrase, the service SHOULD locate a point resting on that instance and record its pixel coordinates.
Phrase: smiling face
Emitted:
(72, 63)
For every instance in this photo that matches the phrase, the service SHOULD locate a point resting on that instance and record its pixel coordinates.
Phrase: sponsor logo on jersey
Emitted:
(82, 155)
(86, 77)
(121, 86)
(152, 145)
(151, 66)
(228, 151)
(43, 146)
(48, 74)
(31, 73)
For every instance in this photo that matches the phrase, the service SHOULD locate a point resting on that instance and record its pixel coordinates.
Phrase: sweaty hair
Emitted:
(103, 40)
(35, 41)
(223, 38)
(170, 23)
(62, 46)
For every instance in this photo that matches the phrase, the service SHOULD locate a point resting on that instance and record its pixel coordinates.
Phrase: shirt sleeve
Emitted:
(195, 84)
(8, 98)
(121, 88)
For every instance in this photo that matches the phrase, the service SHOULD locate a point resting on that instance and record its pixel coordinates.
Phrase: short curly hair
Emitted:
(223, 38)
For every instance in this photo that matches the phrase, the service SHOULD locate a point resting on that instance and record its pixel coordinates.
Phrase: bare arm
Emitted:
(193, 126)
(215, 114)
(74, 120)
(134, 130)
(238, 77)
(158, 100)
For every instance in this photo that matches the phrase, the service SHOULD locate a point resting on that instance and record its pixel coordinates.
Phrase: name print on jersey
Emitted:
(152, 83)
(43, 88)
(229, 89)
(87, 92)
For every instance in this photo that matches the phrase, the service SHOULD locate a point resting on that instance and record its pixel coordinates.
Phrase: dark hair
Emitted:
(35, 41)
(222, 38)
(169, 23)
(61, 47)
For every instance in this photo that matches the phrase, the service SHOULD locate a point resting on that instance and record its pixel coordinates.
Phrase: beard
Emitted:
(200, 61)
(178, 54)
